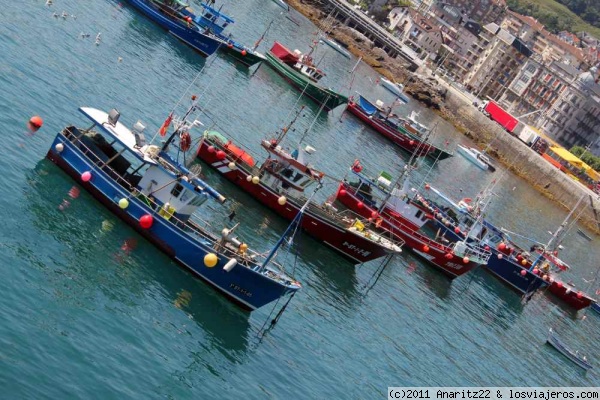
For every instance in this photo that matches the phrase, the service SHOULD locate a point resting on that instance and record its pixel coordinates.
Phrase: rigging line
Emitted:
(315, 119)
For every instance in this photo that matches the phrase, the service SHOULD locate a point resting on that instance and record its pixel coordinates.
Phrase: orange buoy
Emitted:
(35, 123)
(244, 52)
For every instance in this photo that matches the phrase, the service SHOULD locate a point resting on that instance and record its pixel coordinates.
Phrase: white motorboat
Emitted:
(396, 88)
(335, 45)
(476, 157)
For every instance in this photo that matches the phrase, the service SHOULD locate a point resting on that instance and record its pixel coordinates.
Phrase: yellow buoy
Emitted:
(210, 260)
(282, 200)
(243, 248)
(123, 203)
(255, 180)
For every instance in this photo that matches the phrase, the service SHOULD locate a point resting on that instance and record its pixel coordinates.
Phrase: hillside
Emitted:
(557, 17)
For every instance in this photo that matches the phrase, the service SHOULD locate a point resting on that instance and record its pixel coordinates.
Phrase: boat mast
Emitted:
(561, 228)
(286, 128)
(181, 124)
(294, 222)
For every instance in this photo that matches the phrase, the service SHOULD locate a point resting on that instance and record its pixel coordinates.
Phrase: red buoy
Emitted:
(342, 192)
(457, 230)
(487, 248)
(230, 45)
(211, 149)
(427, 187)
(244, 52)
(221, 155)
(35, 123)
(426, 248)
(146, 221)
(579, 295)
(502, 246)
(523, 272)
(412, 142)
(374, 215)
(559, 285)
(360, 204)
(448, 256)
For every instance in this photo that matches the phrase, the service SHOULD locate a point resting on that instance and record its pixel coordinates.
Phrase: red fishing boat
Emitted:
(406, 133)
(394, 213)
(280, 183)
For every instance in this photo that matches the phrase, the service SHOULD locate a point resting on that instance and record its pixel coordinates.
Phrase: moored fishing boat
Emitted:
(179, 26)
(454, 219)
(380, 200)
(335, 45)
(160, 198)
(574, 356)
(299, 70)
(396, 88)
(216, 21)
(391, 126)
(476, 157)
(280, 183)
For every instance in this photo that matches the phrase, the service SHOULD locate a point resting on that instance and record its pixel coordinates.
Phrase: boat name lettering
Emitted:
(454, 266)
(356, 249)
(240, 289)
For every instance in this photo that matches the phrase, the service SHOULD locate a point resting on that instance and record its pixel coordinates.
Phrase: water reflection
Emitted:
(132, 270)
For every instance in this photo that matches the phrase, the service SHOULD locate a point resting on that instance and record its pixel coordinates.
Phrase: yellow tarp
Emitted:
(576, 161)
(567, 156)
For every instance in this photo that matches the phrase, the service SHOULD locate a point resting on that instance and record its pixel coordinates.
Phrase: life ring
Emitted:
(185, 141)
(356, 167)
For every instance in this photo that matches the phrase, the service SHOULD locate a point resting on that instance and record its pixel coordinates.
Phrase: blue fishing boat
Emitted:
(183, 28)
(511, 265)
(574, 356)
(216, 21)
(155, 194)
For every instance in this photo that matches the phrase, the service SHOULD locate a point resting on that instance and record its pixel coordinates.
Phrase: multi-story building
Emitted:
(550, 47)
(482, 11)
(421, 32)
(574, 118)
(500, 62)
(537, 87)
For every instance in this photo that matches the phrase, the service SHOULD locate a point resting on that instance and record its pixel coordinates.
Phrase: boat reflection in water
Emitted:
(133, 273)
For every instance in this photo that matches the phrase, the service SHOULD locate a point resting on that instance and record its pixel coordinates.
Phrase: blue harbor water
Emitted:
(91, 310)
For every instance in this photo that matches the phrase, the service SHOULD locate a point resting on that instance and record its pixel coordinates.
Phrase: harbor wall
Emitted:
(519, 158)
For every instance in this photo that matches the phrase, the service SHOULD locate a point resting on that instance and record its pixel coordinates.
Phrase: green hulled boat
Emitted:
(300, 72)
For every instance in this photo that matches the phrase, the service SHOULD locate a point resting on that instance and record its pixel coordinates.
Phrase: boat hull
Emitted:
(471, 157)
(511, 275)
(322, 96)
(406, 142)
(204, 44)
(568, 295)
(248, 59)
(243, 286)
(334, 45)
(564, 350)
(436, 254)
(317, 224)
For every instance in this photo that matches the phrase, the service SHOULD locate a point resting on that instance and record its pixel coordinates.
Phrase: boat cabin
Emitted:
(313, 73)
(290, 169)
(146, 171)
(213, 19)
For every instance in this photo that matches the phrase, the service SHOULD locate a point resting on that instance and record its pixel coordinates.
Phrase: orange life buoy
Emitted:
(185, 141)
(356, 167)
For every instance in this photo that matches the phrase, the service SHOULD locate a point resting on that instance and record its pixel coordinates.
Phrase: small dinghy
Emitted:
(574, 356)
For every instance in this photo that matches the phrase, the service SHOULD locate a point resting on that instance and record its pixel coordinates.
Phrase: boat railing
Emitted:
(474, 252)
(195, 226)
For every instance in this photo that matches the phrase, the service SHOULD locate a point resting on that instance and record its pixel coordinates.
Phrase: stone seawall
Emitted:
(519, 158)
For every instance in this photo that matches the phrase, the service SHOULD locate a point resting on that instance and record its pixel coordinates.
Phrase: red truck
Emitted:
(502, 117)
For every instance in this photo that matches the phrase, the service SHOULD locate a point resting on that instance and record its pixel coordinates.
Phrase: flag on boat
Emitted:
(165, 125)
